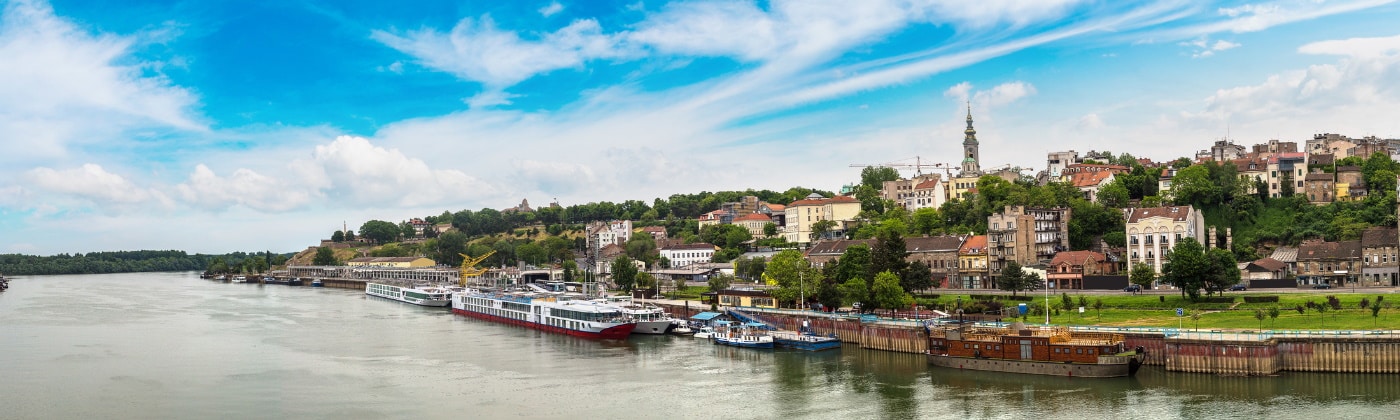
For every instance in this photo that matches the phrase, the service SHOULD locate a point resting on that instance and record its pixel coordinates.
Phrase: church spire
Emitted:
(970, 166)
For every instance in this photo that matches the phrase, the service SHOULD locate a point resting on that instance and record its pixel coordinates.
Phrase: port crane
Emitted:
(469, 270)
(917, 166)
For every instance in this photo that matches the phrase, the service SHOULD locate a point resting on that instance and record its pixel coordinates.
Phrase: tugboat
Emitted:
(1034, 350)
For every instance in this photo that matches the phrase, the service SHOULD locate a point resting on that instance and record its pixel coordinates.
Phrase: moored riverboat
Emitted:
(1034, 350)
(750, 335)
(555, 313)
(424, 296)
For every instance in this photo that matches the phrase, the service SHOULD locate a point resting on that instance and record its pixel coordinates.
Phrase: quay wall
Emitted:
(344, 283)
(1321, 353)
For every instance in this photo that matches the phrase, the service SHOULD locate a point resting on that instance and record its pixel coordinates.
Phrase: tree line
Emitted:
(119, 262)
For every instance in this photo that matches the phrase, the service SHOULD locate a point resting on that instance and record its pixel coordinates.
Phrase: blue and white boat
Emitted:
(750, 335)
(805, 339)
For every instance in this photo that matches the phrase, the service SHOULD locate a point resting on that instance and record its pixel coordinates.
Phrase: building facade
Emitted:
(1067, 269)
(1154, 231)
(802, 214)
(1333, 263)
(972, 264)
(940, 253)
(1379, 266)
(1026, 235)
(687, 254)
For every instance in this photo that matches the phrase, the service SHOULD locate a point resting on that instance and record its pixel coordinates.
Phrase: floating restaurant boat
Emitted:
(546, 312)
(317, 283)
(1034, 350)
(425, 296)
(751, 335)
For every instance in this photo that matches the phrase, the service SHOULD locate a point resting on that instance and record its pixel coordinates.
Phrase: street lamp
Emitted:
(1047, 300)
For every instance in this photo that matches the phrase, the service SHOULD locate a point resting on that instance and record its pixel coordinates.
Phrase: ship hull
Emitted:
(1083, 370)
(617, 332)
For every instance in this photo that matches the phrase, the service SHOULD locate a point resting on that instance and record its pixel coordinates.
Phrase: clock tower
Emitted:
(969, 162)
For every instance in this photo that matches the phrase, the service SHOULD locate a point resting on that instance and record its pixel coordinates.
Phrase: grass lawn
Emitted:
(688, 293)
(1160, 311)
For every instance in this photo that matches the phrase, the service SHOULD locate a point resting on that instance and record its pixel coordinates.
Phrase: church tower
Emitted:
(969, 163)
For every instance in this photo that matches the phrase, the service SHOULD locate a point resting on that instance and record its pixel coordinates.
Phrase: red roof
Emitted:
(1089, 179)
(926, 185)
(974, 245)
(1076, 257)
(1176, 213)
(754, 217)
(776, 207)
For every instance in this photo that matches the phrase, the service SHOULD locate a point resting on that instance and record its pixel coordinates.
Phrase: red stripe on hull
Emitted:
(619, 332)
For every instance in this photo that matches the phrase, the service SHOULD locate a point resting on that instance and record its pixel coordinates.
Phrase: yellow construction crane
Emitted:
(469, 269)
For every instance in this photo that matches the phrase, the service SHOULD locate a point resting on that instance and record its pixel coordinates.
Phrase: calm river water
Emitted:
(170, 345)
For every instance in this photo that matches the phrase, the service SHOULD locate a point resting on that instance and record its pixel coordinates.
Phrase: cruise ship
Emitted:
(552, 313)
(425, 296)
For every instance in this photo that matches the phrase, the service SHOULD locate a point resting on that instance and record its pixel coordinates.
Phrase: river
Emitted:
(170, 345)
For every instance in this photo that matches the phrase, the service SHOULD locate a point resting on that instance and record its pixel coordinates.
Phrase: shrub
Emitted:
(1365, 303)
(1300, 308)
(1260, 299)
(1218, 299)
(1335, 303)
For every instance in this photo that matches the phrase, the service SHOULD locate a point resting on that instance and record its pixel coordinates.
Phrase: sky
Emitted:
(216, 126)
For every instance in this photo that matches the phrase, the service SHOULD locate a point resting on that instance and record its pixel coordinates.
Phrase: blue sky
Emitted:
(214, 126)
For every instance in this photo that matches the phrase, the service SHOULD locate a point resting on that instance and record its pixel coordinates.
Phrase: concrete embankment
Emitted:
(1218, 353)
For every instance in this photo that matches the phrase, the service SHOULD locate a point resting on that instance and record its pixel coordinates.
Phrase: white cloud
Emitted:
(476, 50)
(1367, 48)
(1003, 94)
(551, 9)
(489, 98)
(1222, 45)
(1205, 48)
(737, 29)
(92, 182)
(61, 85)
(1090, 121)
(207, 190)
(354, 170)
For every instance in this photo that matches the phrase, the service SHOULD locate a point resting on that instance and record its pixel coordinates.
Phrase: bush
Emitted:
(1335, 303)
(1015, 298)
(1218, 299)
(1365, 303)
(1260, 299)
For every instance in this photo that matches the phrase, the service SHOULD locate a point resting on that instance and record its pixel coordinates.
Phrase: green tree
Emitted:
(888, 254)
(407, 231)
(1187, 267)
(645, 280)
(624, 274)
(770, 230)
(532, 254)
(448, 248)
(1273, 315)
(720, 282)
(820, 229)
(1098, 308)
(349, 235)
(1013, 278)
(875, 176)
(1223, 270)
(926, 221)
(855, 290)
(1142, 275)
(1259, 315)
(570, 267)
(854, 263)
(917, 277)
(829, 293)
(1114, 194)
(338, 236)
(792, 275)
(885, 293)
(1375, 315)
(324, 256)
(642, 248)
(379, 231)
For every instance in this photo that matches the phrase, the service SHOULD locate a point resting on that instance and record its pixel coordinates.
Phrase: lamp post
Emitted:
(1047, 300)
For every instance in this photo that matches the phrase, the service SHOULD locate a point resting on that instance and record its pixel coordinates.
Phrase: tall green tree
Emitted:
(1187, 267)
(720, 282)
(770, 230)
(885, 293)
(1224, 272)
(792, 274)
(338, 236)
(875, 176)
(820, 229)
(917, 277)
(1013, 278)
(888, 254)
(856, 290)
(624, 273)
(854, 263)
(1114, 194)
(379, 231)
(324, 256)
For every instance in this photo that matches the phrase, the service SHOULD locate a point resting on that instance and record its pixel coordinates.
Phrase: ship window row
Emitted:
(582, 316)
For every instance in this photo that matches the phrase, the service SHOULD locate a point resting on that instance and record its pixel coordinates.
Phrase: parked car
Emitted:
(1238, 288)
(1133, 288)
(1322, 286)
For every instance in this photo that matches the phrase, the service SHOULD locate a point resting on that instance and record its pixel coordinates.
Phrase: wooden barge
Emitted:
(1033, 350)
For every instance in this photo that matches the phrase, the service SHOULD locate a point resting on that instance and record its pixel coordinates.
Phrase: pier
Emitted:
(1215, 352)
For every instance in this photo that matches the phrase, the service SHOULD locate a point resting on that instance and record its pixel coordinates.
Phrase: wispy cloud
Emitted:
(552, 9)
(60, 86)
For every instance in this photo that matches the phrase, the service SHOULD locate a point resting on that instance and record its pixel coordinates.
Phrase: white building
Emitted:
(1153, 232)
(687, 254)
(602, 234)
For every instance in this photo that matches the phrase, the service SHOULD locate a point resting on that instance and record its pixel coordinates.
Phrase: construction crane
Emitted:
(918, 166)
(469, 269)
